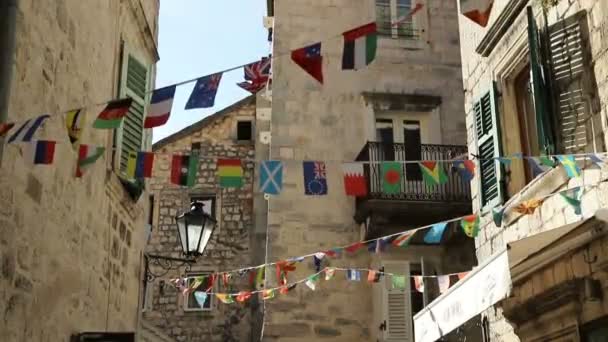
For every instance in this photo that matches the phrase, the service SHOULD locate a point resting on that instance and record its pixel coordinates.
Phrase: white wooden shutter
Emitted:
(397, 313)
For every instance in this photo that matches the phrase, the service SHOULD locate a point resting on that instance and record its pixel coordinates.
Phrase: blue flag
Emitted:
(203, 94)
(26, 132)
(271, 177)
(315, 178)
(435, 234)
(353, 275)
(201, 298)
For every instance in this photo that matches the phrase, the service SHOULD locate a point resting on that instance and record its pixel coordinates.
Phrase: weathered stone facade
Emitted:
(70, 248)
(230, 245)
(478, 74)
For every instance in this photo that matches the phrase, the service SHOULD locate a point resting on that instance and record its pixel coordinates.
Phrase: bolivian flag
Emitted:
(230, 172)
(359, 47)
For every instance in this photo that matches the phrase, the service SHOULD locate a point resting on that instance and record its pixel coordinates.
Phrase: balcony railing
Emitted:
(402, 30)
(413, 187)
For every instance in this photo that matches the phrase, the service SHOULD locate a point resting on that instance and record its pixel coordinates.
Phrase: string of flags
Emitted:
(202, 286)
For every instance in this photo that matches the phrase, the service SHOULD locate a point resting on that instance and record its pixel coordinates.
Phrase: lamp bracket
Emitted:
(166, 264)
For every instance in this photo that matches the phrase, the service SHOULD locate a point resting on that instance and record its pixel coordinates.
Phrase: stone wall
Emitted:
(70, 248)
(332, 122)
(229, 247)
(478, 73)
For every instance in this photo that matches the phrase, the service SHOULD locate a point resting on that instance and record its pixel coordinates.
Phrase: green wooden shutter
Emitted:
(134, 84)
(578, 124)
(396, 304)
(540, 86)
(488, 147)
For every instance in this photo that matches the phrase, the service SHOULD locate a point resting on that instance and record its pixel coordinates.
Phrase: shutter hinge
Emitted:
(382, 326)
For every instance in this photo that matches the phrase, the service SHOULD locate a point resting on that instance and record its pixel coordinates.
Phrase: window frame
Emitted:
(394, 15)
(251, 131)
(205, 197)
(186, 301)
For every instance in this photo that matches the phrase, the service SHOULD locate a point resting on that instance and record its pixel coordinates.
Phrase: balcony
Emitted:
(416, 203)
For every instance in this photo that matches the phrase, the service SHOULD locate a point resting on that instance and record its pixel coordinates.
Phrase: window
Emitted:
(244, 131)
(413, 148)
(208, 203)
(398, 304)
(391, 11)
(190, 303)
(195, 148)
(134, 83)
(596, 331)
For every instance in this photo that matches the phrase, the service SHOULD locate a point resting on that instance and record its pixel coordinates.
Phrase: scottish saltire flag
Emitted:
(433, 173)
(466, 169)
(271, 177)
(315, 178)
(569, 164)
(435, 233)
(160, 107)
(359, 47)
(309, 58)
(26, 131)
(477, 10)
(353, 275)
(75, 121)
(42, 152)
(256, 75)
(203, 94)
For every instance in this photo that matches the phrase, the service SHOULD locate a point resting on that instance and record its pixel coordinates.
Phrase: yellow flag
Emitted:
(75, 121)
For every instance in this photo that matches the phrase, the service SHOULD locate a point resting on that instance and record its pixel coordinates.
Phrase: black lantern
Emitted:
(195, 229)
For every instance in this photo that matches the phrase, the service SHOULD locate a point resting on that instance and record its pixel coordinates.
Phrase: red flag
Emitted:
(354, 179)
(354, 247)
(310, 59)
(5, 127)
(477, 10)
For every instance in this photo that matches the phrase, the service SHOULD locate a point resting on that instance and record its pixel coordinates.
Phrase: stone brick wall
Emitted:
(229, 247)
(478, 72)
(70, 248)
(332, 122)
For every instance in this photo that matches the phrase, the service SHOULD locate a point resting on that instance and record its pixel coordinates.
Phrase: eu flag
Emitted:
(203, 94)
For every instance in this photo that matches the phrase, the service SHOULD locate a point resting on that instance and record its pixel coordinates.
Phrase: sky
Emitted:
(201, 37)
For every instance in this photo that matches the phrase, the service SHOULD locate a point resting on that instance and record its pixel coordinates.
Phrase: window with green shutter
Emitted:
(488, 148)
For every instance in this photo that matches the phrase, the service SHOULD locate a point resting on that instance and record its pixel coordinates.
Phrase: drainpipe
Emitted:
(8, 21)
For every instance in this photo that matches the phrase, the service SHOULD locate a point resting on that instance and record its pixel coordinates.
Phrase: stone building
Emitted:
(536, 82)
(228, 133)
(406, 105)
(70, 248)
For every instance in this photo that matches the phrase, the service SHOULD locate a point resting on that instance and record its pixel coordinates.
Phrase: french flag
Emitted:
(160, 107)
(43, 152)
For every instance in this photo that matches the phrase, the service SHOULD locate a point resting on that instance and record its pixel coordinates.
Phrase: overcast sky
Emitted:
(200, 37)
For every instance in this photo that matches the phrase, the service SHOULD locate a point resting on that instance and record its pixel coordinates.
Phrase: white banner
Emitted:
(479, 290)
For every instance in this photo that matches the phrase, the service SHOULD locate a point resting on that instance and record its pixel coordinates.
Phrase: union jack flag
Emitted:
(257, 75)
(319, 170)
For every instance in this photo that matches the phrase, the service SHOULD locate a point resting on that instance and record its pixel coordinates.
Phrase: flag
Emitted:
(373, 276)
(317, 259)
(377, 246)
(334, 252)
(111, 117)
(414, 10)
(354, 247)
(140, 165)
(75, 122)
(225, 298)
(353, 275)
(498, 214)
(330, 272)
(573, 198)
(433, 173)
(183, 170)
(243, 296)
(444, 283)
(354, 179)
(5, 127)
(404, 239)
(309, 58)
(419, 283)
(315, 178)
(87, 156)
(203, 94)
(528, 207)
(570, 165)
(42, 152)
(470, 225)
(226, 278)
(462, 275)
(257, 75)
(504, 161)
(287, 288)
(398, 281)
(311, 281)
(160, 107)
(359, 47)
(201, 298)
(269, 294)
(466, 169)
(26, 132)
(434, 235)
(282, 269)
(259, 278)
(271, 177)
(477, 10)
(230, 172)
(595, 158)
(392, 174)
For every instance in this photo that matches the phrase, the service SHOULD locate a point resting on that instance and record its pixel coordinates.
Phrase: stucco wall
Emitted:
(69, 248)
(332, 122)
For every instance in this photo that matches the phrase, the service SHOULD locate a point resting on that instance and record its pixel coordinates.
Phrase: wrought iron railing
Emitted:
(403, 30)
(413, 187)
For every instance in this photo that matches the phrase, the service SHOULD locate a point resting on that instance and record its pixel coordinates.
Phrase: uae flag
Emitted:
(477, 10)
(183, 170)
(359, 47)
(354, 179)
(111, 116)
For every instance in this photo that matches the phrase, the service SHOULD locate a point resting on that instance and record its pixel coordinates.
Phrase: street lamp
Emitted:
(194, 228)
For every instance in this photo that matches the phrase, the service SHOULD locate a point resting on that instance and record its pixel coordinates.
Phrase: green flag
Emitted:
(392, 174)
(398, 281)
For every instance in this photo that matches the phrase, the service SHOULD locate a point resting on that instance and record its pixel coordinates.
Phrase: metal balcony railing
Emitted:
(403, 30)
(413, 187)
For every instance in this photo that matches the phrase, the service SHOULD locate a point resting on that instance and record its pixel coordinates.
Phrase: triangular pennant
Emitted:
(201, 298)
(310, 59)
(470, 225)
(570, 166)
(330, 272)
(398, 281)
(573, 198)
(419, 283)
(444, 283)
(528, 207)
(225, 298)
(498, 214)
(435, 233)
